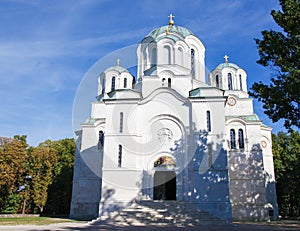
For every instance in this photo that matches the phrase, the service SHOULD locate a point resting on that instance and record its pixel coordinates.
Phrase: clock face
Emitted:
(231, 101)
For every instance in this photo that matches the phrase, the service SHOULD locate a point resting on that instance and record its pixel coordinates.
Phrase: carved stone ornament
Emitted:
(164, 134)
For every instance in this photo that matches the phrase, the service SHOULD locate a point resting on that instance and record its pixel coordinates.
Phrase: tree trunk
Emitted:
(24, 206)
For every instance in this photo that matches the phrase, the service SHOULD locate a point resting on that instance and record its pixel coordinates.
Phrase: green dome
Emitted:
(223, 65)
(116, 68)
(174, 32)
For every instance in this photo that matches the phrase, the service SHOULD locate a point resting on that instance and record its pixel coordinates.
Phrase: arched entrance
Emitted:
(164, 179)
(164, 185)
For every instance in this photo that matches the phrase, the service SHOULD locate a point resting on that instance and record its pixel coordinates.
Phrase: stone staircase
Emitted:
(158, 213)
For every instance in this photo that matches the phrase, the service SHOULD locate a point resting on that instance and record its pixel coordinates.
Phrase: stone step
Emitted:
(158, 213)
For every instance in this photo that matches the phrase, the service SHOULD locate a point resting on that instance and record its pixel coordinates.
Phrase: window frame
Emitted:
(230, 81)
(241, 139)
(121, 122)
(208, 121)
(113, 83)
(120, 152)
(193, 52)
(125, 83)
(232, 139)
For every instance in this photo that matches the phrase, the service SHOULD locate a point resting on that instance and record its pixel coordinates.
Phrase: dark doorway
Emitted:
(164, 185)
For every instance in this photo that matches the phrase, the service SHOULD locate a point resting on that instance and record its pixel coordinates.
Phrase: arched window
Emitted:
(217, 81)
(113, 83)
(232, 139)
(241, 83)
(120, 156)
(145, 60)
(164, 161)
(125, 82)
(208, 122)
(180, 56)
(193, 62)
(229, 81)
(121, 122)
(103, 85)
(241, 139)
(154, 57)
(167, 55)
(169, 82)
(163, 82)
(101, 139)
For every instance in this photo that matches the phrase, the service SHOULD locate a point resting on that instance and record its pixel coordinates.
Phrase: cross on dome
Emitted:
(118, 62)
(226, 59)
(171, 21)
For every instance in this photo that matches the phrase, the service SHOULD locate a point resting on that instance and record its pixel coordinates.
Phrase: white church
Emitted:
(174, 133)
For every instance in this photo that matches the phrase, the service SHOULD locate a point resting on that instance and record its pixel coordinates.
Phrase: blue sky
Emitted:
(47, 47)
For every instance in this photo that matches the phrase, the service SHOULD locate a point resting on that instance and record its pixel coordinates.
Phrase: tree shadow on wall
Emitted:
(248, 184)
(87, 183)
(210, 186)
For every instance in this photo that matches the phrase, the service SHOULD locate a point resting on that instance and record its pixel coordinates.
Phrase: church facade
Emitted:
(174, 133)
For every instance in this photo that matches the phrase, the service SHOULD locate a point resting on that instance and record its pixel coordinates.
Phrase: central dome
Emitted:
(171, 49)
(223, 65)
(169, 32)
(116, 68)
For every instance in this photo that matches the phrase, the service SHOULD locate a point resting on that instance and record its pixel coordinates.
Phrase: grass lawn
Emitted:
(32, 220)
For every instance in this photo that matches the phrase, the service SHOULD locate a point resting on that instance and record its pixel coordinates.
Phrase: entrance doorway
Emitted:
(164, 185)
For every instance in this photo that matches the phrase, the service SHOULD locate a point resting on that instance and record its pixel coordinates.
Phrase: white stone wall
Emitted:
(152, 120)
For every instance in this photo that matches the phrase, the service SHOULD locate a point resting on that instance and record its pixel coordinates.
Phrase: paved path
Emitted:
(82, 226)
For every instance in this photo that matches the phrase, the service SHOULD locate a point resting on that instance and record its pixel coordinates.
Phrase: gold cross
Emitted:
(226, 59)
(171, 21)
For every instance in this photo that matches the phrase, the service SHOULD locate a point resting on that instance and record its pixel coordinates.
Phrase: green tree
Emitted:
(280, 51)
(286, 151)
(34, 178)
(42, 161)
(60, 191)
(12, 203)
(13, 157)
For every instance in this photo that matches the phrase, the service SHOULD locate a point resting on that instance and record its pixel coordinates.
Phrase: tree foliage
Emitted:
(13, 156)
(280, 50)
(42, 161)
(34, 178)
(60, 191)
(286, 151)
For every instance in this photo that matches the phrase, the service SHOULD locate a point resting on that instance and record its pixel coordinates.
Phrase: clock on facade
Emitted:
(231, 101)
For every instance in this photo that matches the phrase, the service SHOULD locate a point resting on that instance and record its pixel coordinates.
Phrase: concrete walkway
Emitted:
(83, 226)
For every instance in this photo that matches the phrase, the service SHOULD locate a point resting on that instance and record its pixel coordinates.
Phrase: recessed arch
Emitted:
(193, 62)
(163, 82)
(166, 54)
(217, 81)
(232, 139)
(180, 56)
(171, 118)
(164, 161)
(241, 139)
(229, 81)
(145, 59)
(125, 82)
(113, 83)
(241, 82)
(169, 82)
(153, 56)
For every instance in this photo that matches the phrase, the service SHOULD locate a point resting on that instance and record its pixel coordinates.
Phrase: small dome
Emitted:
(223, 65)
(116, 68)
(173, 32)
